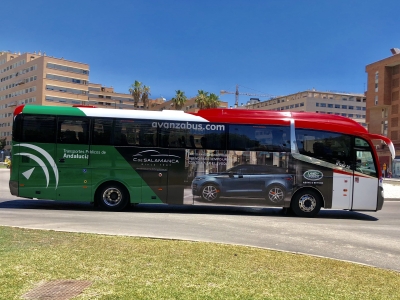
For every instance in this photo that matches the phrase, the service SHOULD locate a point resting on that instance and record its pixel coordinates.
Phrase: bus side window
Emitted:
(73, 130)
(134, 133)
(331, 147)
(259, 138)
(365, 162)
(102, 129)
(40, 129)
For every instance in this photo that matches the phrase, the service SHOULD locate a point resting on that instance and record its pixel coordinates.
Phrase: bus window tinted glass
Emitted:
(135, 133)
(259, 138)
(331, 147)
(364, 158)
(102, 129)
(73, 130)
(193, 136)
(39, 129)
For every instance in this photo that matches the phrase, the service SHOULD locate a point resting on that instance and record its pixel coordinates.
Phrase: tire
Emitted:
(113, 197)
(210, 192)
(275, 193)
(306, 203)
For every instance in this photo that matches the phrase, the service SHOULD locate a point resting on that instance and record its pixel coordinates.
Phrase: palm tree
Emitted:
(136, 90)
(201, 99)
(213, 101)
(179, 100)
(145, 96)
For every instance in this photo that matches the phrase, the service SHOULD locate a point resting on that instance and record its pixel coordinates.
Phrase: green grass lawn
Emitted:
(142, 268)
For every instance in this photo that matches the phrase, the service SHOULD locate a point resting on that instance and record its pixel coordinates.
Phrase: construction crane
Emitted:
(222, 92)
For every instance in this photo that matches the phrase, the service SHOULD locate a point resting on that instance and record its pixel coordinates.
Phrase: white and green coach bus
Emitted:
(114, 158)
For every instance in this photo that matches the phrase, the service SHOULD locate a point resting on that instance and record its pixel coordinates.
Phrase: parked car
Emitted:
(249, 181)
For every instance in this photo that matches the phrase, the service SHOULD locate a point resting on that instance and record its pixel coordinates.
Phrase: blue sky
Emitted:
(273, 47)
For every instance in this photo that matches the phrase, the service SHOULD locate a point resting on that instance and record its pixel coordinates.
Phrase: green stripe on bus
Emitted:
(53, 110)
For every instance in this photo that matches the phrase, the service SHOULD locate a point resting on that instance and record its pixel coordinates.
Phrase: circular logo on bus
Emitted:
(313, 175)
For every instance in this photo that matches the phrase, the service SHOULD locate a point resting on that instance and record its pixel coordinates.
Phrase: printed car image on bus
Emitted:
(114, 158)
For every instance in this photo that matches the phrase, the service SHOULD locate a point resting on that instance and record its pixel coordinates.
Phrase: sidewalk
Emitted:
(391, 188)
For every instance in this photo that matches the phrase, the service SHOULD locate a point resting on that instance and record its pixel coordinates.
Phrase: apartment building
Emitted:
(35, 78)
(105, 97)
(348, 105)
(383, 88)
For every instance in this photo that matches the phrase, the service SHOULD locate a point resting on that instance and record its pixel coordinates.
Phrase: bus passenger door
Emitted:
(365, 181)
(72, 159)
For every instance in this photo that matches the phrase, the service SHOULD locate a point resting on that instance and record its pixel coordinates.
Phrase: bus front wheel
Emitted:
(113, 197)
(306, 203)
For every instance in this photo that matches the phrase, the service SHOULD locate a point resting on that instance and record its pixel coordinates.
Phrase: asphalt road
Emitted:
(370, 238)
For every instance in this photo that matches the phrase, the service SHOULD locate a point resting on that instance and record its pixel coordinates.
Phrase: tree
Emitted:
(136, 91)
(145, 96)
(2, 143)
(179, 100)
(201, 99)
(213, 101)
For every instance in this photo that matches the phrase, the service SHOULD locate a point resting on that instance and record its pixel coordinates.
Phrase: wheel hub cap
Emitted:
(112, 197)
(307, 203)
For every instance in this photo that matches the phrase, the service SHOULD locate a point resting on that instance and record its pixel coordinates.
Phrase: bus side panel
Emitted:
(240, 178)
(342, 190)
(36, 171)
(72, 161)
(107, 164)
(151, 166)
(312, 175)
(363, 190)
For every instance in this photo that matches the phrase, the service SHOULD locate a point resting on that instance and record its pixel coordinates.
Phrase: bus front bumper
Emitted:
(381, 198)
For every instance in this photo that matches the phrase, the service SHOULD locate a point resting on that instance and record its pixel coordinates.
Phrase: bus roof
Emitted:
(307, 120)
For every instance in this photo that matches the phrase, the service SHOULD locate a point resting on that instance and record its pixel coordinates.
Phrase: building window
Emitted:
(396, 70)
(330, 105)
(323, 104)
(395, 122)
(395, 96)
(344, 106)
(384, 127)
(376, 100)
(337, 105)
(384, 113)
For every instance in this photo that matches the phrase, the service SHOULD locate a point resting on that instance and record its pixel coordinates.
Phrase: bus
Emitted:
(235, 157)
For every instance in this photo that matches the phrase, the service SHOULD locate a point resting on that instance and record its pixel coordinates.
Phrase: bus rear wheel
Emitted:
(113, 197)
(306, 203)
